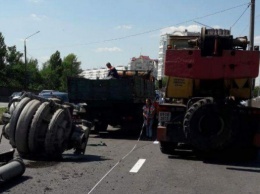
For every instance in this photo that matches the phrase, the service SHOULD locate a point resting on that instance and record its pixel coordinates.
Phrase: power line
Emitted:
(240, 15)
(242, 32)
(203, 24)
(150, 31)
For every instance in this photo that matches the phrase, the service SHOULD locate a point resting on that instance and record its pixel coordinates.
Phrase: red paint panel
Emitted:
(256, 140)
(161, 133)
(190, 64)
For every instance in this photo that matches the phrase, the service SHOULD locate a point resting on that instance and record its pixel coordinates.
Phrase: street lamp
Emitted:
(25, 58)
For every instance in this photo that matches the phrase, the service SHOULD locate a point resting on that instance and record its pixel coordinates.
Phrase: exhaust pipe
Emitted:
(13, 169)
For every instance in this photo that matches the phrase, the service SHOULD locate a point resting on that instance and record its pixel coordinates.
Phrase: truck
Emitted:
(114, 102)
(210, 77)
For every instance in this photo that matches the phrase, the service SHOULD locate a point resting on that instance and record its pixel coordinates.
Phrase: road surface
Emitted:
(116, 164)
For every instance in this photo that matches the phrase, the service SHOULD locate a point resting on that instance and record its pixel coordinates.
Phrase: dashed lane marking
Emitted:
(137, 166)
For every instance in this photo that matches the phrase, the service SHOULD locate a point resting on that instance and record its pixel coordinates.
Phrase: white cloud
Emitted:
(191, 28)
(38, 17)
(217, 27)
(106, 49)
(257, 40)
(124, 27)
(43, 59)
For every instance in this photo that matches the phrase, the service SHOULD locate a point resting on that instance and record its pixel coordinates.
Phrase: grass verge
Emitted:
(2, 110)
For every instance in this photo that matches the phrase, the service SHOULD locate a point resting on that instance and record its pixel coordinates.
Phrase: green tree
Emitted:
(15, 71)
(164, 81)
(13, 56)
(3, 52)
(71, 68)
(34, 77)
(52, 72)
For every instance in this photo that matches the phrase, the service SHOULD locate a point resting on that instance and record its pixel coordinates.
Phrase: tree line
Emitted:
(14, 73)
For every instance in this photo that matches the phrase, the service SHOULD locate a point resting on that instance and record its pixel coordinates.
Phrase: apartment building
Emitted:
(98, 73)
(144, 63)
(141, 63)
(163, 47)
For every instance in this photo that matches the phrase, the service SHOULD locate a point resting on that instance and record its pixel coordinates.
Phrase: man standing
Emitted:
(112, 72)
(148, 113)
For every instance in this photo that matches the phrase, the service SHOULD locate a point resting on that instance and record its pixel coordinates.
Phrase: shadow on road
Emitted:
(238, 159)
(116, 134)
(45, 163)
(82, 158)
(6, 186)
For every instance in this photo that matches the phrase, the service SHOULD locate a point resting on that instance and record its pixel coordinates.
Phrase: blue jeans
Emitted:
(149, 128)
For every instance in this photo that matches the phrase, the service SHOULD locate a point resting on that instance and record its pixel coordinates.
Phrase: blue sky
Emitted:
(98, 31)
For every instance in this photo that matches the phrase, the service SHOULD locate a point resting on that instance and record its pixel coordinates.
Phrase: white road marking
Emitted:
(137, 166)
(117, 163)
(156, 142)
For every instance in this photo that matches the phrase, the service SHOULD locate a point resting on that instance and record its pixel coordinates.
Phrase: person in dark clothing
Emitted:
(112, 72)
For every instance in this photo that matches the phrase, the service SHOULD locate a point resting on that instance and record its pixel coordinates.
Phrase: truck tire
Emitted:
(14, 118)
(168, 147)
(39, 128)
(23, 126)
(208, 126)
(56, 141)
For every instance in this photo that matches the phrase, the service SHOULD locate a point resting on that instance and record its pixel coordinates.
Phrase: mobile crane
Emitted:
(210, 74)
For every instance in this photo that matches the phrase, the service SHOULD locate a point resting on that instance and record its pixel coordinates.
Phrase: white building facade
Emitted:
(142, 63)
(163, 46)
(100, 73)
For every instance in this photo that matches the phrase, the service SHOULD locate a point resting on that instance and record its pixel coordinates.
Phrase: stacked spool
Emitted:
(40, 127)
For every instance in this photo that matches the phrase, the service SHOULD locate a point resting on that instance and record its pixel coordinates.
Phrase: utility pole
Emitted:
(25, 59)
(252, 25)
(251, 39)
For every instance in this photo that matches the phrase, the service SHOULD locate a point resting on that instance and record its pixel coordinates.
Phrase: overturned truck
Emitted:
(41, 127)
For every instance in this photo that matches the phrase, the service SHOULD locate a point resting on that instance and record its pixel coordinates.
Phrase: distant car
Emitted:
(15, 95)
(63, 96)
(47, 91)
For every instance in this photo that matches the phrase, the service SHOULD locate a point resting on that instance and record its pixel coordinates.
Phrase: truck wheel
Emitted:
(23, 126)
(167, 147)
(14, 118)
(207, 126)
(56, 140)
(39, 127)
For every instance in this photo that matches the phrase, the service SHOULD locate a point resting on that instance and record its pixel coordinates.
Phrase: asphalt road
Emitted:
(109, 158)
